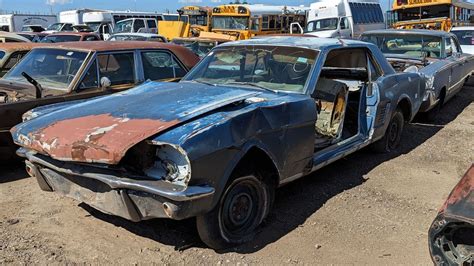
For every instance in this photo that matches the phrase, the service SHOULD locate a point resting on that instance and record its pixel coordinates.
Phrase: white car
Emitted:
(466, 38)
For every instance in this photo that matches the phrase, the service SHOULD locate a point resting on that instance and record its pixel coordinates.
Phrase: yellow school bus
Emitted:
(429, 14)
(199, 18)
(245, 21)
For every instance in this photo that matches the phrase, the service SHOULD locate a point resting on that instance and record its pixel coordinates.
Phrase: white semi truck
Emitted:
(15, 22)
(344, 18)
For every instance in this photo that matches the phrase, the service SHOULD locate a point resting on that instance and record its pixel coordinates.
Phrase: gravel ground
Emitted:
(365, 209)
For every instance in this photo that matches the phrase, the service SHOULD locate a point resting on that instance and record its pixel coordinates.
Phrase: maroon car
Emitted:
(451, 236)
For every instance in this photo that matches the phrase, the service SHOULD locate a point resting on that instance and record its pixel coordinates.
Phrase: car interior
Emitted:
(338, 95)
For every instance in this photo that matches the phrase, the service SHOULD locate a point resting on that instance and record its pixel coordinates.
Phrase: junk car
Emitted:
(79, 70)
(12, 53)
(251, 116)
(436, 55)
(70, 37)
(451, 235)
(200, 46)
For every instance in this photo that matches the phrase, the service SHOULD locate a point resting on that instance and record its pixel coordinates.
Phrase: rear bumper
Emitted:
(132, 199)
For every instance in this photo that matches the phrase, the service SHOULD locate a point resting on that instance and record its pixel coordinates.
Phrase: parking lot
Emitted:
(367, 208)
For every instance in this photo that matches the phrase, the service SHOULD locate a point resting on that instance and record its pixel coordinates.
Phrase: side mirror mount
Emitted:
(105, 83)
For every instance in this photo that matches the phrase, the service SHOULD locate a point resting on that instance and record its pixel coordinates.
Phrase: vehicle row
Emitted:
(93, 123)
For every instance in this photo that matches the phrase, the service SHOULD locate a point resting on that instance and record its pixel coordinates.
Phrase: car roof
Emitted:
(13, 36)
(20, 46)
(137, 34)
(314, 43)
(188, 58)
(463, 28)
(436, 33)
(72, 33)
(202, 39)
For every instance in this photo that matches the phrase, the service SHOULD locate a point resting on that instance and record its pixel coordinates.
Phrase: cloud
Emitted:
(58, 2)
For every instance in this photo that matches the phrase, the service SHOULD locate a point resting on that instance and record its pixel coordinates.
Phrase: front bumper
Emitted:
(429, 101)
(132, 199)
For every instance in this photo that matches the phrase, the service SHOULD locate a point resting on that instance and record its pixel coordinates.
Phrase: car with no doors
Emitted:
(436, 55)
(79, 70)
(251, 116)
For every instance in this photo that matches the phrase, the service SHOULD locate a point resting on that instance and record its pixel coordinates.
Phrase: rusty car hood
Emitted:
(460, 203)
(17, 91)
(103, 129)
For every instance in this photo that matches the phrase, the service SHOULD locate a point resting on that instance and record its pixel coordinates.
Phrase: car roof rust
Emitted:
(187, 57)
(20, 46)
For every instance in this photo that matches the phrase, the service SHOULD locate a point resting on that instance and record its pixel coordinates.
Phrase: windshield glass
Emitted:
(275, 68)
(55, 26)
(28, 36)
(199, 48)
(93, 25)
(413, 46)
(61, 38)
(198, 20)
(230, 23)
(465, 37)
(52, 68)
(322, 24)
(124, 26)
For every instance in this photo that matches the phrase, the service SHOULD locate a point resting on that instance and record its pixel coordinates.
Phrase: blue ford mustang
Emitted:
(251, 116)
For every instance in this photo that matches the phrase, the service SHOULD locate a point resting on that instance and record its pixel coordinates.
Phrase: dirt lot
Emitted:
(368, 208)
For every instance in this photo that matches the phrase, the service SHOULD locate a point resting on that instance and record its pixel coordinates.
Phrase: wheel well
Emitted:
(442, 95)
(258, 161)
(405, 106)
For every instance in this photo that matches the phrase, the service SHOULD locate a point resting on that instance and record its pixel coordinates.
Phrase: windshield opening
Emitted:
(60, 38)
(230, 23)
(52, 68)
(322, 24)
(266, 67)
(200, 48)
(94, 25)
(465, 37)
(124, 26)
(413, 46)
(55, 26)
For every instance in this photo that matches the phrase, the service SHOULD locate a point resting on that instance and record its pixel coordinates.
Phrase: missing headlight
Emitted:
(171, 164)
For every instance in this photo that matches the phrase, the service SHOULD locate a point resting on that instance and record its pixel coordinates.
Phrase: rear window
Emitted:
(61, 38)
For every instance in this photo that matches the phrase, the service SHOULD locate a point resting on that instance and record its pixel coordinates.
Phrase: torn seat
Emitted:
(331, 98)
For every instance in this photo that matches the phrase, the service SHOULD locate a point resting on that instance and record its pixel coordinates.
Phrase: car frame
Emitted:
(216, 141)
(444, 76)
(11, 112)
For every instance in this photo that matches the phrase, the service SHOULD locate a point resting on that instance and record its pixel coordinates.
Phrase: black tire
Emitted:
(243, 206)
(393, 134)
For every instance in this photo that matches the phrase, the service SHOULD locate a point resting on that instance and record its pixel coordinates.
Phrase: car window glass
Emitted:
(374, 71)
(118, 68)
(151, 23)
(91, 38)
(454, 46)
(90, 79)
(67, 27)
(14, 58)
(161, 65)
(448, 49)
(138, 24)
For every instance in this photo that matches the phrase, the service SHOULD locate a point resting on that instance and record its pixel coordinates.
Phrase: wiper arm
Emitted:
(250, 84)
(35, 83)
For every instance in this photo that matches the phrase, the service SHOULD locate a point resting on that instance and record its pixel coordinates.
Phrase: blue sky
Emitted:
(44, 6)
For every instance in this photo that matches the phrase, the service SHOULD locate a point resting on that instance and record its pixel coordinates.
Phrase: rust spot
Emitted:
(96, 138)
(462, 190)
